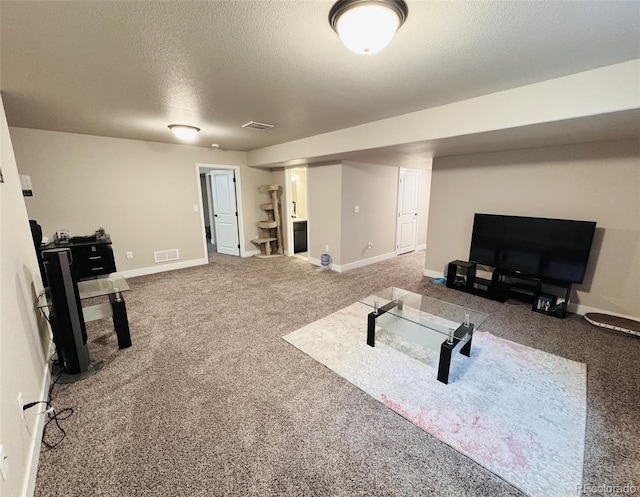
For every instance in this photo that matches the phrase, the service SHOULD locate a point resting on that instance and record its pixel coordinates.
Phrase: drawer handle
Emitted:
(97, 268)
(95, 257)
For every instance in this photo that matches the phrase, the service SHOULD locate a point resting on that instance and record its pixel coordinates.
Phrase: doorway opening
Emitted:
(296, 212)
(221, 209)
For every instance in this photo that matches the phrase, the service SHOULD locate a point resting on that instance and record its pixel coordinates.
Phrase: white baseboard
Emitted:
(160, 268)
(421, 247)
(432, 274)
(35, 444)
(353, 265)
(250, 253)
(368, 261)
(318, 262)
(584, 309)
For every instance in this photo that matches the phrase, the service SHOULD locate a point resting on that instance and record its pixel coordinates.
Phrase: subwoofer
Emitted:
(67, 322)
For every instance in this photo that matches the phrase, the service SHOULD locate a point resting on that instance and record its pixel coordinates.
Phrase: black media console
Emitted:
(91, 257)
(546, 296)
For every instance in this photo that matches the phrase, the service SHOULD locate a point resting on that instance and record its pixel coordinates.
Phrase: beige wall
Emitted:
(325, 210)
(374, 189)
(592, 182)
(334, 190)
(425, 196)
(24, 336)
(142, 193)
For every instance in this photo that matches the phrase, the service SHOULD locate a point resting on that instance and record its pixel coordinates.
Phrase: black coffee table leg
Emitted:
(466, 350)
(120, 320)
(445, 361)
(371, 329)
(461, 339)
(371, 320)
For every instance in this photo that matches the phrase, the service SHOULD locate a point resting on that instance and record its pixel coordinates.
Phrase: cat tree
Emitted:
(269, 232)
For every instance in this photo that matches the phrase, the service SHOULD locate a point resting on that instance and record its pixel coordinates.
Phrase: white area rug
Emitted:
(519, 412)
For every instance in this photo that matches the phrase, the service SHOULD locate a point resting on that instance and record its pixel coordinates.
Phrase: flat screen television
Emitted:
(551, 249)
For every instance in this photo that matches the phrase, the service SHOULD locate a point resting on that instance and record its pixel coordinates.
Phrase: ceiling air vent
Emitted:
(256, 125)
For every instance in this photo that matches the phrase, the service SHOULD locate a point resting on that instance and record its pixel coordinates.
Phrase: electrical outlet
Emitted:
(370, 245)
(4, 463)
(356, 208)
(326, 248)
(129, 255)
(22, 412)
(21, 405)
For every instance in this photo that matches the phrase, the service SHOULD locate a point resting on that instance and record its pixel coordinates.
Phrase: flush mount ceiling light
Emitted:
(367, 26)
(184, 131)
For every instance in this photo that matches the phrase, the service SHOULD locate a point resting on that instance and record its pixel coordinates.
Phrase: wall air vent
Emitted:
(256, 125)
(166, 255)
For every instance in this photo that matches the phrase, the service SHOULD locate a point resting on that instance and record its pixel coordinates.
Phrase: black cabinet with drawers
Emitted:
(90, 257)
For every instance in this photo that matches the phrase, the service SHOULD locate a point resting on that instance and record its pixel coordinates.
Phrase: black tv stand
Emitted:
(549, 297)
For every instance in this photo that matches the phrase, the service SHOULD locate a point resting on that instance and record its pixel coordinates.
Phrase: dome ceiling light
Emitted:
(184, 131)
(367, 26)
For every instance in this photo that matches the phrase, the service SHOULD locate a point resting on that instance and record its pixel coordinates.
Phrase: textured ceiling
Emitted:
(128, 69)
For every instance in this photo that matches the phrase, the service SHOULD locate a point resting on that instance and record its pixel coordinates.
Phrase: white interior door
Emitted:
(408, 203)
(225, 212)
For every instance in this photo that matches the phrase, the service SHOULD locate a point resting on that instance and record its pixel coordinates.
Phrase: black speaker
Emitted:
(67, 322)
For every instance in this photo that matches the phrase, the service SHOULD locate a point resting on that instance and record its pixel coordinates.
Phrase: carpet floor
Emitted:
(210, 401)
(517, 411)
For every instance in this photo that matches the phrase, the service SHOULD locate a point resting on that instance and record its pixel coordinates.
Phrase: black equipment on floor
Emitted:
(67, 323)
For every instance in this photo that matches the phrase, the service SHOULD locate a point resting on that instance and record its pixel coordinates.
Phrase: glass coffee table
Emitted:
(71, 345)
(112, 287)
(427, 329)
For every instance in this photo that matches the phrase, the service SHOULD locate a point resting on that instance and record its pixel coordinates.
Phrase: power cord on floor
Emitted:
(54, 415)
